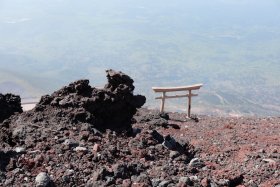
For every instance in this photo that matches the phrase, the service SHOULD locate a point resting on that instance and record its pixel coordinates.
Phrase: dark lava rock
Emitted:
(153, 118)
(125, 171)
(73, 106)
(110, 108)
(5, 160)
(9, 105)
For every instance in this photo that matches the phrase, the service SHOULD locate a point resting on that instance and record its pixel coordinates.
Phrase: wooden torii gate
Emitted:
(189, 94)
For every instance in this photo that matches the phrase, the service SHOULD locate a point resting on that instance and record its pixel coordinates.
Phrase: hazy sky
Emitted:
(222, 43)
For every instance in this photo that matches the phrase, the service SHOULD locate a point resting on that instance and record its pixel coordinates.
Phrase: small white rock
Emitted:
(42, 179)
(268, 160)
(193, 178)
(196, 162)
(71, 143)
(70, 171)
(34, 152)
(20, 150)
(80, 149)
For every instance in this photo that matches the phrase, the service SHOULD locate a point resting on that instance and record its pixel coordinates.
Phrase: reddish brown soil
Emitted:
(232, 147)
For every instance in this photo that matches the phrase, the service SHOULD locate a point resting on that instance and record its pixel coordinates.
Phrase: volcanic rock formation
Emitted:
(78, 105)
(110, 108)
(9, 105)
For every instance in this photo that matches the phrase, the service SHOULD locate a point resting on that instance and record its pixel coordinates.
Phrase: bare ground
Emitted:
(232, 146)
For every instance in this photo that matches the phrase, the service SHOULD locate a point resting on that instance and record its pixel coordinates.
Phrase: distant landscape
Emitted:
(232, 47)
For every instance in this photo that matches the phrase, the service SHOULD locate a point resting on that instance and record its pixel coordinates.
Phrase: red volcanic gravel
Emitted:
(211, 152)
(236, 151)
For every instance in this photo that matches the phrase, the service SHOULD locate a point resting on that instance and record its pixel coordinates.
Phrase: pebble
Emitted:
(15, 171)
(196, 162)
(71, 143)
(110, 181)
(275, 151)
(42, 179)
(20, 150)
(155, 182)
(65, 178)
(84, 135)
(126, 183)
(96, 148)
(34, 152)
(19, 131)
(80, 149)
(268, 160)
(194, 178)
(174, 154)
(205, 182)
(261, 151)
(136, 131)
(224, 182)
(184, 181)
(163, 183)
(142, 178)
(9, 182)
(69, 172)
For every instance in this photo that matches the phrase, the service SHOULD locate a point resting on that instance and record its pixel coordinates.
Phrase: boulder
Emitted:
(9, 105)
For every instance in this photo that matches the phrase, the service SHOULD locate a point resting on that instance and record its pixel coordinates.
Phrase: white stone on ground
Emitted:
(42, 179)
